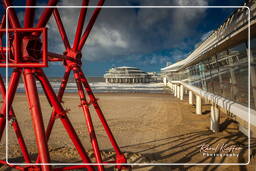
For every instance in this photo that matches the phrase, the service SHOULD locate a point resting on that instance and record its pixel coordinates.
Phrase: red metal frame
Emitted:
(31, 71)
(17, 46)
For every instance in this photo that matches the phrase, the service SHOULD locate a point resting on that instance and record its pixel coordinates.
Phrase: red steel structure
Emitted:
(27, 55)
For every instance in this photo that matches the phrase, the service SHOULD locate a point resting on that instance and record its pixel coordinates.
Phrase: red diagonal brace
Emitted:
(80, 24)
(90, 24)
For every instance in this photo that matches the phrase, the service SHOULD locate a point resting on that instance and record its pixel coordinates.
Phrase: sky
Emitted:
(138, 37)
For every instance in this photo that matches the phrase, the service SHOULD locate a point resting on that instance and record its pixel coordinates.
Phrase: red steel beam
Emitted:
(63, 117)
(90, 25)
(13, 84)
(46, 14)
(29, 14)
(61, 28)
(3, 22)
(88, 118)
(10, 165)
(99, 112)
(80, 24)
(17, 47)
(36, 114)
(15, 125)
(11, 14)
(60, 95)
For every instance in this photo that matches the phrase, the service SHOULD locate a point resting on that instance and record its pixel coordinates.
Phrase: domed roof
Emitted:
(125, 71)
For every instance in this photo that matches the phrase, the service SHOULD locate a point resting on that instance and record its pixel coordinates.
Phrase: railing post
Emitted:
(215, 116)
(175, 90)
(198, 105)
(181, 92)
(190, 97)
(178, 91)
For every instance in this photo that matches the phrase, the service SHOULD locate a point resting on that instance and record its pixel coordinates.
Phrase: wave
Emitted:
(105, 87)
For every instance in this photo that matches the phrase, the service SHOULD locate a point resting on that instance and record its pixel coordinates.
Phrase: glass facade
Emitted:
(224, 74)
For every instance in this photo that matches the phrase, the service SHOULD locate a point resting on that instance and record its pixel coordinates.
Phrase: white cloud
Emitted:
(107, 38)
(125, 33)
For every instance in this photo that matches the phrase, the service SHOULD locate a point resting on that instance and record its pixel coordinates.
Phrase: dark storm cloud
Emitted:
(130, 33)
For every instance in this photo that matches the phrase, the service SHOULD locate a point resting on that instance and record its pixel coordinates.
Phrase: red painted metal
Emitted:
(46, 14)
(85, 107)
(61, 28)
(29, 14)
(24, 64)
(11, 14)
(22, 53)
(13, 83)
(80, 24)
(35, 109)
(90, 25)
(15, 125)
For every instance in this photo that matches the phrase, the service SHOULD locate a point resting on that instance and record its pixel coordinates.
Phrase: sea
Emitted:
(99, 85)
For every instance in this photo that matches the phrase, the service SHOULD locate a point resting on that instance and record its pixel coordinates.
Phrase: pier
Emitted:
(219, 70)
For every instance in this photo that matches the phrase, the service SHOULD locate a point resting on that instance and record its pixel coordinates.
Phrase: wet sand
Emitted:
(149, 128)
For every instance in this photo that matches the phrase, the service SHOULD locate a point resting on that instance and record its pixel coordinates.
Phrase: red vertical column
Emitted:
(37, 118)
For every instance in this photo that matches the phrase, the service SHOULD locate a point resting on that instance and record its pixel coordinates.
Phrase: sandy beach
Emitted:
(149, 128)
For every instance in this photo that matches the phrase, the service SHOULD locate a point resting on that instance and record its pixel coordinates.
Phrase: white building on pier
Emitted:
(126, 74)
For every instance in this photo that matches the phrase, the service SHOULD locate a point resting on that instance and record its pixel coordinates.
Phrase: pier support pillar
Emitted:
(165, 81)
(215, 117)
(181, 92)
(178, 91)
(175, 90)
(190, 97)
(198, 105)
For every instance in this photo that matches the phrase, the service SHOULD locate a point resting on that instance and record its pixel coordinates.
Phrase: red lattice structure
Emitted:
(27, 55)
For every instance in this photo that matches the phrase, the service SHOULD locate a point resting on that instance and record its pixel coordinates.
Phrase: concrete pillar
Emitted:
(198, 105)
(215, 117)
(106, 80)
(175, 90)
(165, 81)
(178, 91)
(190, 97)
(181, 92)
